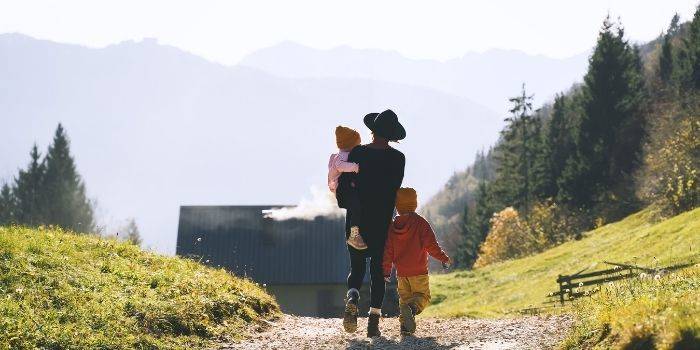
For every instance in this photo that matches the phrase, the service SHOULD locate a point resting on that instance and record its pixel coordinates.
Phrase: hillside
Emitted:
(502, 289)
(447, 205)
(153, 127)
(60, 290)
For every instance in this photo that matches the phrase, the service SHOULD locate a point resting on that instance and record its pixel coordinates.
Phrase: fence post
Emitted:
(561, 290)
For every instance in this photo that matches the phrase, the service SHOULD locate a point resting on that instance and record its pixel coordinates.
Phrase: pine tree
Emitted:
(515, 154)
(692, 45)
(30, 202)
(67, 203)
(132, 232)
(7, 205)
(610, 130)
(666, 63)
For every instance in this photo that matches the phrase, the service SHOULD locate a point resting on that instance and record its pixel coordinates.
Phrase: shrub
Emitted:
(671, 166)
(509, 237)
(512, 236)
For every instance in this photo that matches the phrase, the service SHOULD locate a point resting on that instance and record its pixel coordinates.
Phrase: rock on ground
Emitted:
(292, 332)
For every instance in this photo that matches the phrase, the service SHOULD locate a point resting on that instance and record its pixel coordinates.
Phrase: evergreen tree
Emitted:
(486, 204)
(610, 130)
(514, 154)
(674, 27)
(7, 205)
(132, 232)
(557, 146)
(692, 45)
(67, 203)
(30, 203)
(666, 60)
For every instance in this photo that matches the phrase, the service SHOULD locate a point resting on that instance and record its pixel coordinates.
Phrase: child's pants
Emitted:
(348, 198)
(416, 290)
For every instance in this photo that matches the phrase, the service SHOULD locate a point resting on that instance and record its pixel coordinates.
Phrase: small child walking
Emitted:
(410, 241)
(344, 189)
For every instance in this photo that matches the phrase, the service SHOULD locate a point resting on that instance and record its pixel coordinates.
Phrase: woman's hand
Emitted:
(387, 279)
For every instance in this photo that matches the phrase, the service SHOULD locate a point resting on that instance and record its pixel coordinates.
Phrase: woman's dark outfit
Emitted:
(380, 176)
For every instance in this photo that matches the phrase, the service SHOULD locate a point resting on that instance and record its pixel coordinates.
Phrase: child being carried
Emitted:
(343, 187)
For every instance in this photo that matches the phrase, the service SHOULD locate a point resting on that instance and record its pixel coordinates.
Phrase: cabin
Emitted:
(303, 263)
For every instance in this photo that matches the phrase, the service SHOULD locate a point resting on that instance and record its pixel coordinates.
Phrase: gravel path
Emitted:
(291, 332)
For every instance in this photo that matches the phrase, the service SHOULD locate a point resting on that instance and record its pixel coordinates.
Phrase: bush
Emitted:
(509, 237)
(672, 164)
(512, 236)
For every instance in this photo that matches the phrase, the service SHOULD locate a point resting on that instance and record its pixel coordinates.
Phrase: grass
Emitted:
(651, 313)
(662, 311)
(500, 289)
(60, 290)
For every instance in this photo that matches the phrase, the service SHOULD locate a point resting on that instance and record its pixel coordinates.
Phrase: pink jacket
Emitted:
(338, 164)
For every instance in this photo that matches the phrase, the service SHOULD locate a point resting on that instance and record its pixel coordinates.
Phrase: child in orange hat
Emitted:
(410, 241)
(344, 189)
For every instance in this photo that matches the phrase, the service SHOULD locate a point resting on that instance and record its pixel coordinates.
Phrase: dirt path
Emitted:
(291, 332)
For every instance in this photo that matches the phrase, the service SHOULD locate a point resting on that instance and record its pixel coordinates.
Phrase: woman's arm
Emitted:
(347, 167)
(397, 175)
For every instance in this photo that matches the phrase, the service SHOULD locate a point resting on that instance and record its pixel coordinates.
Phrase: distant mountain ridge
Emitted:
(489, 78)
(154, 127)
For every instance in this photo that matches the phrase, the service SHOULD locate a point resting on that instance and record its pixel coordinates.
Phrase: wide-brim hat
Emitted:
(386, 124)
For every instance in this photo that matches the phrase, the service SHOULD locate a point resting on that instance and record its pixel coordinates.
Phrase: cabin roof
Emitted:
(240, 239)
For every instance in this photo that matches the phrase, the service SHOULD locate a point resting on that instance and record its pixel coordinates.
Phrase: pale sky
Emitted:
(225, 31)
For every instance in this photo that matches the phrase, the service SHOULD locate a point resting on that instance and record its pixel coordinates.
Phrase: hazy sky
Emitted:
(225, 31)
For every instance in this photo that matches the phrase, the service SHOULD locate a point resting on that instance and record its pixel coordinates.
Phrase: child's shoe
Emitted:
(408, 318)
(355, 240)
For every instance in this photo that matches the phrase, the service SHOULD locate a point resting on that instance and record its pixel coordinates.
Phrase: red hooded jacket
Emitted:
(408, 244)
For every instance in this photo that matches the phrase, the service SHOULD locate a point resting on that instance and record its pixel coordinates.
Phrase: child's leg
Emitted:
(406, 316)
(420, 292)
(354, 214)
(352, 202)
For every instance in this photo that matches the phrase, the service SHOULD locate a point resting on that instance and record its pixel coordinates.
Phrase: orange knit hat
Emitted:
(346, 138)
(406, 200)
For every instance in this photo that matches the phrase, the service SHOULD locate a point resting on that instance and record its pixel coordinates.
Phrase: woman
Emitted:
(380, 176)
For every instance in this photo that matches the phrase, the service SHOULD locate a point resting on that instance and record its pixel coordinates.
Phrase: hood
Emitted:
(402, 223)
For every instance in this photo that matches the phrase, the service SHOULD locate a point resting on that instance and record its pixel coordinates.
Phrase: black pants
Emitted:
(358, 266)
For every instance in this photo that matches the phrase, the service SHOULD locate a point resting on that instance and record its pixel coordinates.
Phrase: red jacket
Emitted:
(408, 244)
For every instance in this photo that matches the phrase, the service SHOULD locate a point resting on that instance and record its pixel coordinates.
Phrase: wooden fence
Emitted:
(572, 286)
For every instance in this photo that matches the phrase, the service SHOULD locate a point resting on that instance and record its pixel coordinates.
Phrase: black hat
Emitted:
(386, 124)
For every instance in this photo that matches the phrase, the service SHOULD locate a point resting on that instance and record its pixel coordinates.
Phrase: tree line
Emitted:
(50, 191)
(625, 138)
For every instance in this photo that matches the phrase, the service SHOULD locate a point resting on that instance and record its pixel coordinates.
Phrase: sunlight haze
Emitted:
(226, 31)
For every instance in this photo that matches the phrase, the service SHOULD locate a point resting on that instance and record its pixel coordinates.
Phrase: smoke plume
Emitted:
(322, 203)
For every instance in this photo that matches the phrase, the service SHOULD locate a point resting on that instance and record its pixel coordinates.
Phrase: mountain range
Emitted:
(153, 127)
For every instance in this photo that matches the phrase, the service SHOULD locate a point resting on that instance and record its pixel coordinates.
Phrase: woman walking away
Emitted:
(380, 176)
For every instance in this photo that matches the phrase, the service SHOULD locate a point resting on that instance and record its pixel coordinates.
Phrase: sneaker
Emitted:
(355, 240)
(373, 326)
(408, 318)
(350, 315)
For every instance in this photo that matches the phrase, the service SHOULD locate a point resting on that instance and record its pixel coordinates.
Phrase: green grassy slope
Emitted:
(500, 289)
(65, 291)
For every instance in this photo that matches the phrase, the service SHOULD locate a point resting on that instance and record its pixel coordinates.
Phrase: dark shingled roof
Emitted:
(240, 239)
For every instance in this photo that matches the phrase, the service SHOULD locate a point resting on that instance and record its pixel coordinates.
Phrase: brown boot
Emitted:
(355, 240)
(350, 314)
(373, 326)
(408, 318)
